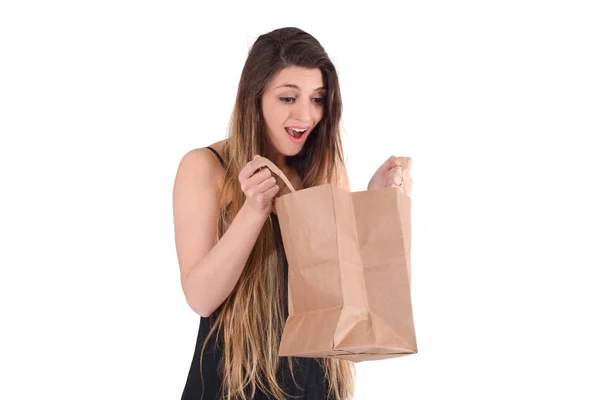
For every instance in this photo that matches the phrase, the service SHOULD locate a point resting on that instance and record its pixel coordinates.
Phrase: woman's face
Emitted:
(295, 98)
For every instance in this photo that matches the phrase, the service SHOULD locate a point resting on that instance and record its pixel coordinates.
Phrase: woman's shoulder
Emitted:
(201, 165)
(206, 156)
(218, 147)
(205, 153)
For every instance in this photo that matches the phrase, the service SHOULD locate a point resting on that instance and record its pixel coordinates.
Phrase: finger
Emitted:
(256, 179)
(389, 164)
(406, 186)
(403, 162)
(250, 168)
(395, 171)
(265, 185)
(246, 172)
(406, 163)
(271, 193)
(392, 163)
(396, 180)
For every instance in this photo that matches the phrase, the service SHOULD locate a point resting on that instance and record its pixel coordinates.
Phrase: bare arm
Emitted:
(210, 268)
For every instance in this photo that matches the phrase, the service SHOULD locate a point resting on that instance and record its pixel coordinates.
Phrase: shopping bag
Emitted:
(349, 283)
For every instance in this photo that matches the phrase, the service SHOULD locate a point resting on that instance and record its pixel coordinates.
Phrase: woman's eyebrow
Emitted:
(297, 87)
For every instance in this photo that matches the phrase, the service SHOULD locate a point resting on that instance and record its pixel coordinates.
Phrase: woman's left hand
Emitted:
(395, 172)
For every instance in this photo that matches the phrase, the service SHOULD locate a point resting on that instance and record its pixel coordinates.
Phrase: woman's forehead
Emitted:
(300, 78)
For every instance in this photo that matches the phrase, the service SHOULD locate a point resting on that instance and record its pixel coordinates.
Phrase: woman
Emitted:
(233, 267)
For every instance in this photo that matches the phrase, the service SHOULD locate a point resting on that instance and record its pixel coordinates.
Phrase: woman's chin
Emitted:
(288, 148)
(291, 149)
(291, 153)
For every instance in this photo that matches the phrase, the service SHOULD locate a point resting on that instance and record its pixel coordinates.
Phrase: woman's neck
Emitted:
(279, 160)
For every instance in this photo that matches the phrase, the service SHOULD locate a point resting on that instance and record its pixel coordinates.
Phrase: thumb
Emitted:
(390, 163)
(406, 163)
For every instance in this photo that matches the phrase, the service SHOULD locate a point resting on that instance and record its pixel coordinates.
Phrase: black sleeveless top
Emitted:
(309, 374)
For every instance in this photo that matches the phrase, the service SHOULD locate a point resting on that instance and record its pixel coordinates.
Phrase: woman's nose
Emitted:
(302, 111)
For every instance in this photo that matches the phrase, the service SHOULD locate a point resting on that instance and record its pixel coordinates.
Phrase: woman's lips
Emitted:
(296, 137)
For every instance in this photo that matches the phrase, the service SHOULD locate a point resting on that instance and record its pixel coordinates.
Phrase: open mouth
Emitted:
(296, 133)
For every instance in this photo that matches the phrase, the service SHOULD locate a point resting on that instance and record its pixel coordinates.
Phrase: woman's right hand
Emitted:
(259, 186)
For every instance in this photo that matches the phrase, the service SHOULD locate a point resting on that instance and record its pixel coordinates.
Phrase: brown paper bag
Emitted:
(349, 272)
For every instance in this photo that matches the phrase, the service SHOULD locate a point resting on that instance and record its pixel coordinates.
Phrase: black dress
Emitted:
(308, 372)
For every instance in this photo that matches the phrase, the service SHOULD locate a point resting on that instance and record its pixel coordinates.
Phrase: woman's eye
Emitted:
(289, 100)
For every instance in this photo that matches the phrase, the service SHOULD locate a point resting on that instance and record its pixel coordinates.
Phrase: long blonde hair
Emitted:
(250, 321)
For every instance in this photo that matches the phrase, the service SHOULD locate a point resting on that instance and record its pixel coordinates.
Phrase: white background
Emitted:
(497, 103)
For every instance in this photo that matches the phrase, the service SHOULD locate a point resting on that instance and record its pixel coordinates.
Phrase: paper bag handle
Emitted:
(279, 173)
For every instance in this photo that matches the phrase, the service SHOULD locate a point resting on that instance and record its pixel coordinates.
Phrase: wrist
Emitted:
(253, 216)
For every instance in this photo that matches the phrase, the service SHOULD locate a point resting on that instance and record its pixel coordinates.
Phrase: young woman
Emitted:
(231, 258)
